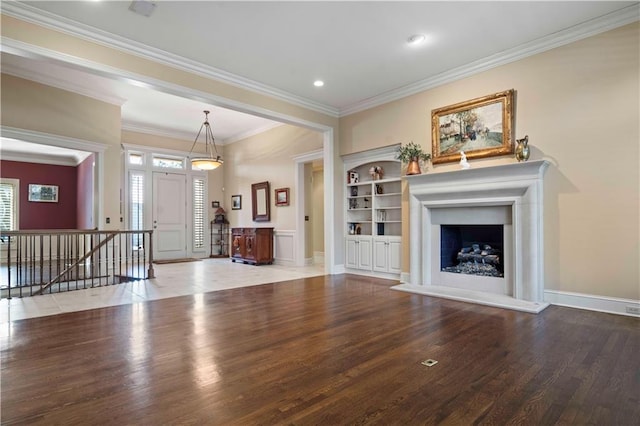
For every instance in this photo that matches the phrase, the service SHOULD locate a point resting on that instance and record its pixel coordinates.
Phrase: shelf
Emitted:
(385, 205)
(367, 182)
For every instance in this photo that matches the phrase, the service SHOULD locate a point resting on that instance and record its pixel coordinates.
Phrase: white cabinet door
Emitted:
(387, 253)
(358, 253)
(351, 253)
(395, 255)
(364, 253)
(380, 255)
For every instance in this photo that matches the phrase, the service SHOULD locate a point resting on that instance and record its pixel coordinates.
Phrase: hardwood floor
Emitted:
(326, 350)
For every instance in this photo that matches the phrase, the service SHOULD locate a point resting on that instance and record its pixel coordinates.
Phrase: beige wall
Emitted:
(32, 106)
(266, 157)
(579, 105)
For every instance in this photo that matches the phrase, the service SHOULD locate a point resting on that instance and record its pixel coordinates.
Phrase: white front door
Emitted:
(169, 216)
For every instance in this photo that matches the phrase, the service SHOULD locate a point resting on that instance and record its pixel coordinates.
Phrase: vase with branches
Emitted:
(412, 154)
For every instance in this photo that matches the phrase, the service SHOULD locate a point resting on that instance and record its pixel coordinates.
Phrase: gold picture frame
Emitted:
(481, 127)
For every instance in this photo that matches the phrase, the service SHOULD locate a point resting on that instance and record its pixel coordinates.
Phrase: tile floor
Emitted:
(177, 279)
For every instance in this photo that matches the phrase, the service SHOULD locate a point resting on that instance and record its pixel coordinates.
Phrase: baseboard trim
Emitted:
(384, 275)
(338, 269)
(611, 305)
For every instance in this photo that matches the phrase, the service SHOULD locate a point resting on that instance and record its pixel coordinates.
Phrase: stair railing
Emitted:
(38, 262)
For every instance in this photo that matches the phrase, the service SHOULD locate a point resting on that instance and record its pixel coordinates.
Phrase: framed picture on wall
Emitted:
(282, 197)
(236, 202)
(43, 193)
(479, 127)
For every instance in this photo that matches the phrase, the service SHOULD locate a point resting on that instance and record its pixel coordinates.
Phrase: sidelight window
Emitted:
(9, 190)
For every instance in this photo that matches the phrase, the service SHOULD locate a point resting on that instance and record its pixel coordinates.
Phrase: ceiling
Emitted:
(359, 50)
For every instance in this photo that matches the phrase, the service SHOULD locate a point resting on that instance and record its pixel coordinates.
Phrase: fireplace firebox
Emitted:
(472, 249)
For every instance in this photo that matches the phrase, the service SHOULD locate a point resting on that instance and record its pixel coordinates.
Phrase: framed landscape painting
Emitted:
(480, 127)
(43, 193)
(282, 197)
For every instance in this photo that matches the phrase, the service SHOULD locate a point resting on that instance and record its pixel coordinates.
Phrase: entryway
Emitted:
(169, 216)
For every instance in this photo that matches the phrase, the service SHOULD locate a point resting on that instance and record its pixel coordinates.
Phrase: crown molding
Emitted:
(309, 156)
(50, 80)
(24, 157)
(154, 150)
(51, 139)
(135, 127)
(49, 20)
(155, 131)
(249, 133)
(578, 32)
(21, 48)
(595, 26)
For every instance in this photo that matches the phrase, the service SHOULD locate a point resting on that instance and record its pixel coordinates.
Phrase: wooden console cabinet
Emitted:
(252, 245)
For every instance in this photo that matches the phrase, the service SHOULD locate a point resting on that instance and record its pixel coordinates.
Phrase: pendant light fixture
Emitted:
(207, 161)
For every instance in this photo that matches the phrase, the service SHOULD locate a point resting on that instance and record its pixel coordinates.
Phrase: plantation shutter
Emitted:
(198, 213)
(136, 207)
(7, 206)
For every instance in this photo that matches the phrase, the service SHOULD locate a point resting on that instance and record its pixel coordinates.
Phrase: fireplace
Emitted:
(464, 262)
(472, 250)
(461, 214)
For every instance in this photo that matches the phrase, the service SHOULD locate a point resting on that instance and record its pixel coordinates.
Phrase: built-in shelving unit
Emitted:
(373, 211)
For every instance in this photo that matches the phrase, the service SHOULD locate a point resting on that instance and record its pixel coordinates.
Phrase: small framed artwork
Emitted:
(479, 127)
(215, 204)
(43, 193)
(282, 197)
(236, 202)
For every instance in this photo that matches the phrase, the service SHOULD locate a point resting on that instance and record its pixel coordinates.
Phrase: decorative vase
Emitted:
(413, 168)
(522, 149)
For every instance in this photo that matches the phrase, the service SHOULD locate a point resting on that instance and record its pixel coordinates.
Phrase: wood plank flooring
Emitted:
(326, 350)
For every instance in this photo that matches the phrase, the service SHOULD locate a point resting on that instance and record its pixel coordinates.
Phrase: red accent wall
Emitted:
(60, 215)
(84, 193)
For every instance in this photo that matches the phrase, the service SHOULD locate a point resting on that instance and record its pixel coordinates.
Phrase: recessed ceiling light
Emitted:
(318, 83)
(416, 39)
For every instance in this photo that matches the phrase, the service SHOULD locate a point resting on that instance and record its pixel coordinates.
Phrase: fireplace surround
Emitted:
(510, 195)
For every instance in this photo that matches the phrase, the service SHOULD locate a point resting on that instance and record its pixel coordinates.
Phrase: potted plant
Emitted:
(411, 154)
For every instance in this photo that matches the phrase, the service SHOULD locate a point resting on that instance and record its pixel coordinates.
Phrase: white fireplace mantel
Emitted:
(518, 185)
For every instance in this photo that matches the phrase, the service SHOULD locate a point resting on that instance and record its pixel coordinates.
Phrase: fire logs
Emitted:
(486, 255)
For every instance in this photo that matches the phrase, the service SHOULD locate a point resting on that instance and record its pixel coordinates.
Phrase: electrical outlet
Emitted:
(635, 310)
